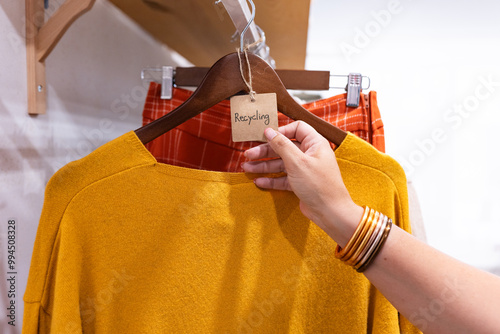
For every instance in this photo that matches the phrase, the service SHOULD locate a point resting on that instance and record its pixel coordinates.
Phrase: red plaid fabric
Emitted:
(204, 142)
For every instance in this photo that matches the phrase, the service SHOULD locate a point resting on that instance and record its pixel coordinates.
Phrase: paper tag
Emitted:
(250, 119)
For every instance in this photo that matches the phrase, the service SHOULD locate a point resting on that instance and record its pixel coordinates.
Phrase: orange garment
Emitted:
(204, 142)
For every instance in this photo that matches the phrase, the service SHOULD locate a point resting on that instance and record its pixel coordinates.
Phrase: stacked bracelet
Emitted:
(367, 240)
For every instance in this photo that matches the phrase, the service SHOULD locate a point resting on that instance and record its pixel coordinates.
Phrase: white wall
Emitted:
(94, 95)
(429, 61)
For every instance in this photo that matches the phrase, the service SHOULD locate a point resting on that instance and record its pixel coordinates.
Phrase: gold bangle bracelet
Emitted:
(378, 227)
(340, 252)
(361, 236)
(378, 248)
(375, 242)
(363, 244)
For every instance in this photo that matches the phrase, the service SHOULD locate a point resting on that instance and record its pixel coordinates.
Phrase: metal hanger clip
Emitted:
(353, 88)
(164, 75)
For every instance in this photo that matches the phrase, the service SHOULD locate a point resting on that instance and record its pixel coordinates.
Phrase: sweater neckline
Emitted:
(208, 175)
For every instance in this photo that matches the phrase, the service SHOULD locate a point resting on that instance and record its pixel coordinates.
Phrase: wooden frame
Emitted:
(41, 38)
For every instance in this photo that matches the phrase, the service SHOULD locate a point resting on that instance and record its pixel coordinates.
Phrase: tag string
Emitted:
(249, 81)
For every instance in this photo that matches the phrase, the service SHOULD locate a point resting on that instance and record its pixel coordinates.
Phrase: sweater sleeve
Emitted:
(109, 159)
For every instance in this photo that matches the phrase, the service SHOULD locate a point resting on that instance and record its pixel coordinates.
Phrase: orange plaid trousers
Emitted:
(204, 142)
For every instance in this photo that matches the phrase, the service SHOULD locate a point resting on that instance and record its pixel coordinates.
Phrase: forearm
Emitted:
(435, 292)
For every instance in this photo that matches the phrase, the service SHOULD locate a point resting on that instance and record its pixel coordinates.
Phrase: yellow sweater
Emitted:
(128, 245)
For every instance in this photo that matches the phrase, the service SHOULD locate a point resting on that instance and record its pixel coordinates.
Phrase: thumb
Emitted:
(283, 146)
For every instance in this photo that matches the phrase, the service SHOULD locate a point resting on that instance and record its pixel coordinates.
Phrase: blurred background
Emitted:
(434, 65)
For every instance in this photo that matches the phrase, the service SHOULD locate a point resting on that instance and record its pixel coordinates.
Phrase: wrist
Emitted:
(340, 222)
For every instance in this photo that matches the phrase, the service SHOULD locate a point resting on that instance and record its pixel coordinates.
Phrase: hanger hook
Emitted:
(248, 25)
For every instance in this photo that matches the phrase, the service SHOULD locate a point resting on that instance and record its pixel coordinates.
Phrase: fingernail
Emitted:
(270, 134)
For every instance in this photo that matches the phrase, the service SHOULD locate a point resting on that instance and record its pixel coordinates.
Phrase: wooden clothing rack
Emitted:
(160, 16)
(41, 38)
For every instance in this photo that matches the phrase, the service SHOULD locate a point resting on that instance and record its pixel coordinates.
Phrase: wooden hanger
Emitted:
(224, 80)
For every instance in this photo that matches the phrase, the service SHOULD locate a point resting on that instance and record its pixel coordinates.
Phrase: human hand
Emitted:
(312, 174)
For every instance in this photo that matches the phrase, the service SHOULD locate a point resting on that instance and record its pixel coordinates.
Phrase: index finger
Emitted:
(299, 130)
(303, 133)
(263, 151)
